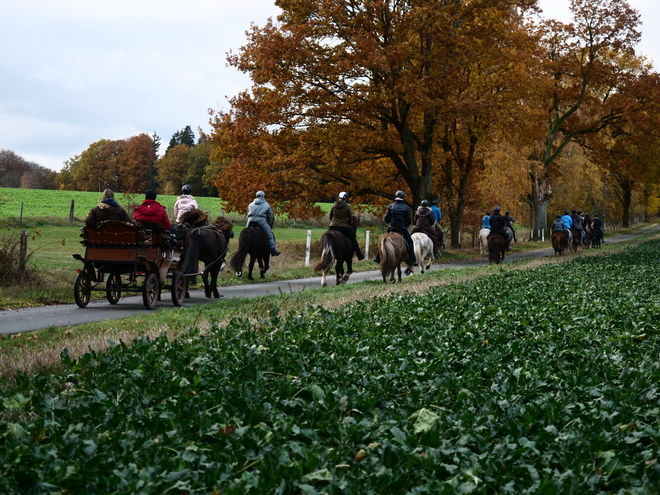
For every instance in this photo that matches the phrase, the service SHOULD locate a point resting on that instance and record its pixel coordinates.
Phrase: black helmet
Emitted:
(558, 217)
(400, 194)
(579, 212)
(424, 203)
(488, 213)
(508, 213)
(435, 202)
(186, 189)
(496, 209)
(565, 212)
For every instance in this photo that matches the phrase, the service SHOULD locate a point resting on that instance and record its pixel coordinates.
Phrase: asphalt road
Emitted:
(30, 319)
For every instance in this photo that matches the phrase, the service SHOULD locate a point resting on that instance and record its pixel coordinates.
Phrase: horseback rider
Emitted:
(498, 224)
(184, 203)
(398, 217)
(508, 221)
(577, 226)
(597, 226)
(260, 213)
(558, 225)
(341, 219)
(568, 222)
(485, 221)
(107, 209)
(424, 221)
(437, 215)
(152, 210)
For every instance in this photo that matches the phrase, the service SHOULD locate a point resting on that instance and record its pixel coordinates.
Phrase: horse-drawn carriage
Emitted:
(123, 257)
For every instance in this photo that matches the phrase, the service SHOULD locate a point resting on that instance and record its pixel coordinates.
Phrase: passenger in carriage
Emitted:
(260, 212)
(152, 210)
(341, 219)
(184, 203)
(107, 209)
(424, 221)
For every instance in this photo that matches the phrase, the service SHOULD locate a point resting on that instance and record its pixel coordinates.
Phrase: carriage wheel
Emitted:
(113, 286)
(81, 290)
(150, 291)
(178, 288)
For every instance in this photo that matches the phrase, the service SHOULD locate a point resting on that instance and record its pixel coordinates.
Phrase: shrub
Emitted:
(14, 270)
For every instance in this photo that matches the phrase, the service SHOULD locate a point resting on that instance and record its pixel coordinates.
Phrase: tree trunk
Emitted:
(539, 199)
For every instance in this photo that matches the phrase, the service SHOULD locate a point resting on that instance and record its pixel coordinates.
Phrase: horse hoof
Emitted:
(238, 274)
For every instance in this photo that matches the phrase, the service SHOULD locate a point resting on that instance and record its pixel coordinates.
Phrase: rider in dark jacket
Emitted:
(497, 223)
(107, 209)
(399, 216)
(341, 219)
(425, 222)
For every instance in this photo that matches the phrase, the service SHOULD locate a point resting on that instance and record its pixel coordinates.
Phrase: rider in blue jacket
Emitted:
(485, 221)
(568, 223)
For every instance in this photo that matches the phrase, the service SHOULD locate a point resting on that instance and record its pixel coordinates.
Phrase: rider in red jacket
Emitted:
(150, 209)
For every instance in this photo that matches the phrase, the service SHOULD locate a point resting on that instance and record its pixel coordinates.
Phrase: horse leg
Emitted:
(349, 269)
(339, 270)
(207, 286)
(214, 281)
(251, 266)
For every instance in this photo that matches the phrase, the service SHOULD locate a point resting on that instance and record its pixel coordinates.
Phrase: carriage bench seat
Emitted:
(116, 233)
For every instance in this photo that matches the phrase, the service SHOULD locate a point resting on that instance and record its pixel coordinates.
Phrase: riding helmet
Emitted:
(186, 189)
(508, 213)
(565, 212)
(343, 195)
(496, 209)
(488, 213)
(424, 203)
(260, 194)
(400, 194)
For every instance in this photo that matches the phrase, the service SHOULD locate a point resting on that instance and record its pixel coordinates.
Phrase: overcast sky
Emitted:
(73, 72)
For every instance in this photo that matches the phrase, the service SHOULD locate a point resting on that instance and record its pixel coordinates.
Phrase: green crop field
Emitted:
(538, 381)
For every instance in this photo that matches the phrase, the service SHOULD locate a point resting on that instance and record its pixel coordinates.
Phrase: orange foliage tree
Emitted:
(366, 96)
(581, 70)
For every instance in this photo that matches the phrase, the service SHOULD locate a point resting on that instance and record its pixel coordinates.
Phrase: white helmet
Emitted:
(343, 195)
(260, 194)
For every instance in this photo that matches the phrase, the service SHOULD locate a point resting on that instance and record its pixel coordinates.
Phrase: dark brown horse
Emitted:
(207, 243)
(337, 249)
(393, 251)
(559, 243)
(597, 238)
(254, 242)
(496, 248)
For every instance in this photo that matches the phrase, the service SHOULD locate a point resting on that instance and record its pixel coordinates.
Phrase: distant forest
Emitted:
(16, 171)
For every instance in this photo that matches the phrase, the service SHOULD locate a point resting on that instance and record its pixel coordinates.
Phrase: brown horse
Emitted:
(207, 243)
(559, 243)
(575, 245)
(598, 238)
(496, 248)
(393, 251)
(252, 241)
(337, 248)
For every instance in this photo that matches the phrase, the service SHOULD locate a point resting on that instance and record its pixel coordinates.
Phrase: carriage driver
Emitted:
(260, 213)
(341, 219)
(399, 216)
(152, 210)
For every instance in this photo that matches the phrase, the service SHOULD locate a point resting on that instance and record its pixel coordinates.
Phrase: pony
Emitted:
(253, 241)
(336, 248)
(588, 237)
(423, 249)
(496, 248)
(559, 243)
(597, 238)
(575, 245)
(393, 251)
(207, 243)
(483, 241)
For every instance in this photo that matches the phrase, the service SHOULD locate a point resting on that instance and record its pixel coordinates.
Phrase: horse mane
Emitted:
(223, 223)
(195, 217)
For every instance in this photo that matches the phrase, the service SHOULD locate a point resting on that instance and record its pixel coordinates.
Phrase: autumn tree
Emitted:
(581, 71)
(16, 171)
(358, 95)
(171, 169)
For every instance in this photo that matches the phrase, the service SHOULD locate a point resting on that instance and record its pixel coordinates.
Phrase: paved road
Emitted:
(29, 319)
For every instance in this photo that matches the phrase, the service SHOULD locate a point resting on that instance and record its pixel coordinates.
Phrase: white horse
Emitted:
(423, 249)
(483, 241)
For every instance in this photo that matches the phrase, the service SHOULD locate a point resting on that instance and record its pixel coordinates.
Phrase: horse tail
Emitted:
(191, 248)
(388, 258)
(327, 254)
(245, 240)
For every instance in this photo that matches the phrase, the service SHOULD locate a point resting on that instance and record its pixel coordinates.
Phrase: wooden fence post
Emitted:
(23, 251)
(20, 219)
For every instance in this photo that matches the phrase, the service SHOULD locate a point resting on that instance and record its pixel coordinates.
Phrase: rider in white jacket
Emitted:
(184, 203)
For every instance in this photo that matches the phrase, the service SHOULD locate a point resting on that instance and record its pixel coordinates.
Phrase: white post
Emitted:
(366, 246)
(542, 235)
(309, 247)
